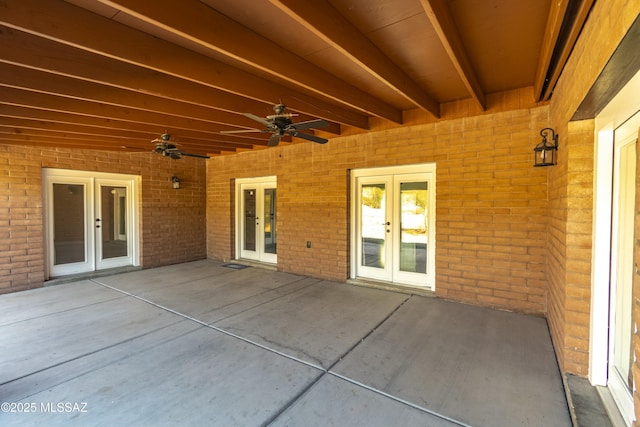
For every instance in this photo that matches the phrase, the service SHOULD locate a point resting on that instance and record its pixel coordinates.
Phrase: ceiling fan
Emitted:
(165, 147)
(280, 124)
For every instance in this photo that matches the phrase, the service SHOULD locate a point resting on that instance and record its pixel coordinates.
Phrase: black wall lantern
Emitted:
(175, 182)
(545, 152)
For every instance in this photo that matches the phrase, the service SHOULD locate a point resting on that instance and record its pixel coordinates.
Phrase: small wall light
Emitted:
(545, 152)
(175, 182)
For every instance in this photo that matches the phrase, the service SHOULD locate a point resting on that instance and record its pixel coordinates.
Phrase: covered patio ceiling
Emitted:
(114, 75)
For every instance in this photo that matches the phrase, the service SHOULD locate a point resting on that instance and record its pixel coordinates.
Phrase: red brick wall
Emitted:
(571, 184)
(570, 245)
(491, 201)
(171, 221)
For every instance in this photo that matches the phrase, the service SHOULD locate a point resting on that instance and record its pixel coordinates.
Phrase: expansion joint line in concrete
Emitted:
(324, 371)
(400, 400)
(209, 325)
(327, 371)
(380, 392)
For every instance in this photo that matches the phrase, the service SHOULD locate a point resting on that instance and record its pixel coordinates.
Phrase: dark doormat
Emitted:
(235, 266)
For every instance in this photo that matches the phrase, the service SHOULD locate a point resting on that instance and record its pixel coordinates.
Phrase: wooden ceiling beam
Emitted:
(12, 133)
(571, 25)
(49, 142)
(108, 125)
(17, 97)
(135, 109)
(198, 23)
(107, 140)
(24, 125)
(105, 143)
(41, 54)
(322, 19)
(552, 30)
(440, 17)
(44, 101)
(40, 81)
(51, 19)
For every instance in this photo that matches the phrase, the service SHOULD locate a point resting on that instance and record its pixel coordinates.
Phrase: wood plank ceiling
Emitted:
(115, 74)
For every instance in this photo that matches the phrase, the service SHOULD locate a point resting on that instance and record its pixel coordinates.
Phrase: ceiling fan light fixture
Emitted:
(167, 148)
(280, 124)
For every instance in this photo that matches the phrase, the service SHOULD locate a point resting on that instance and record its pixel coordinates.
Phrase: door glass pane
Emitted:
(373, 224)
(113, 221)
(249, 220)
(68, 223)
(413, 226)
(624, 331)
(270, 241)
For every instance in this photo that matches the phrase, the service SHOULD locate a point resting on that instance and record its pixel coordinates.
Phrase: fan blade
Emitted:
(258, 119)
(274, 140)
(174, 155)
(200, 156)
(243, 131)
(308, 137)
(319, 123)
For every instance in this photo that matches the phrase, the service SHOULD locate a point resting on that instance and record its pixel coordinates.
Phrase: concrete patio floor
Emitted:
(201, 344)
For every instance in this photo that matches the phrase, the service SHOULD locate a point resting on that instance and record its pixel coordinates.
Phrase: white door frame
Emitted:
(617, 112)
(391, 176)
(90, 182)
(260, 184)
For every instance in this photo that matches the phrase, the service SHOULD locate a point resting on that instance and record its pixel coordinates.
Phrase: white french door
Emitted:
(621, 330)
(90, 221)
(393, 225)
(612, 321)
(256, 219)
